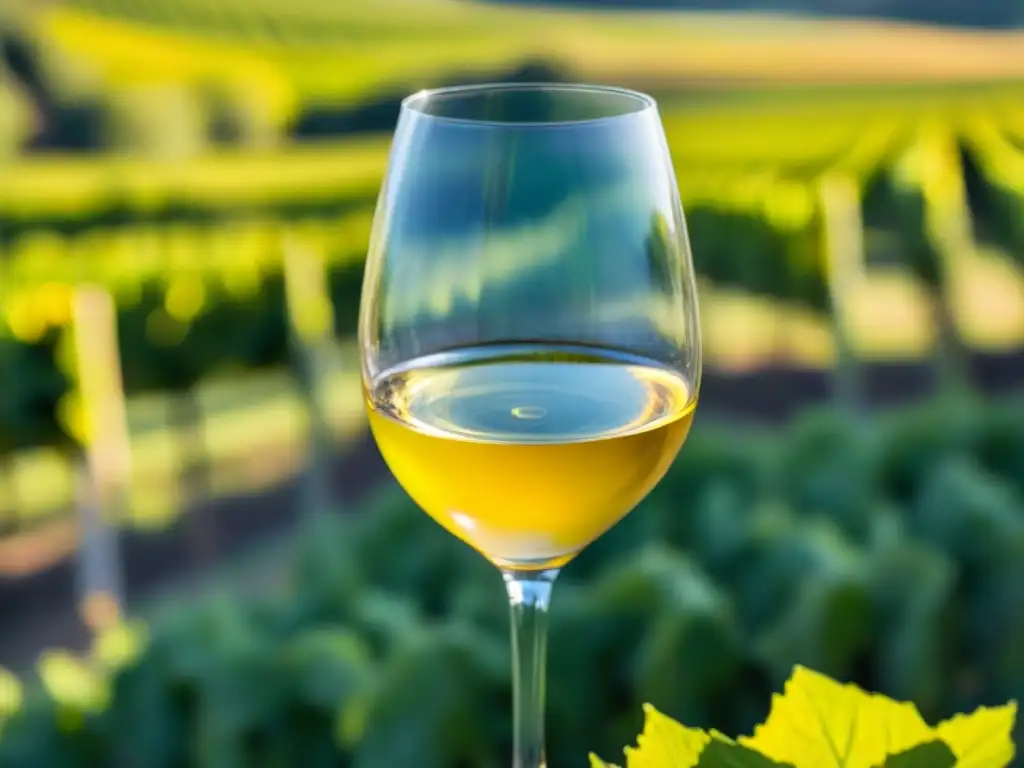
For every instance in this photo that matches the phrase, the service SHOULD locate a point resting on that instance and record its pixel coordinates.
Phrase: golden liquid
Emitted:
(529, 453)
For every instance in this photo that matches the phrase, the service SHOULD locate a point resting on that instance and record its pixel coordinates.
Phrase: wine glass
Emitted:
(529, 330)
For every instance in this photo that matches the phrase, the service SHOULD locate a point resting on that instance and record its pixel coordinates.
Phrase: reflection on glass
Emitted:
(529, 332)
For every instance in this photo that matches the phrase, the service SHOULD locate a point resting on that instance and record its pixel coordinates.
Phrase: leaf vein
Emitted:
(832, 746)
(851, 734)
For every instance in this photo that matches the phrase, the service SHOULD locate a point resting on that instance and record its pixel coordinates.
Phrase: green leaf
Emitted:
(827, 624)
(328, 666)
(425, 707)
(934, 754)
(983, 738)
(724, 753)
(821, 723)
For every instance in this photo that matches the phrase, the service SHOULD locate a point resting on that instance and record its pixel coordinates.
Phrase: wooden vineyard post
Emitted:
(311, 331)
(104, 477)
(843, 244)
(935, 167)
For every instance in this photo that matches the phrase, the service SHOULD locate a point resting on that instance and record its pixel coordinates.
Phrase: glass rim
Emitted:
(415, 102)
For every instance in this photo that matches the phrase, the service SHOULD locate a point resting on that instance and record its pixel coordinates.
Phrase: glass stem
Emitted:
(529, 594)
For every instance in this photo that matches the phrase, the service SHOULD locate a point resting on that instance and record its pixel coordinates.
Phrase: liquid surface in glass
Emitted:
(529, 453)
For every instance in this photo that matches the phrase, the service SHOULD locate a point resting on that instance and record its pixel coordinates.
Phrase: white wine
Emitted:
(529, 452)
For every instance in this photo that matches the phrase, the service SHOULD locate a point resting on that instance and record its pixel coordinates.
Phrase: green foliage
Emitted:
(387, 641)
(28, 402)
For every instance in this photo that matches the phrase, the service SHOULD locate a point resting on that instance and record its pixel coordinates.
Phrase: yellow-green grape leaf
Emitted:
(821, 723)
(73, 683)
(664, 743)
(11, 694)
(667, 744)
(983, 738)
(934, 754)
(119, 645)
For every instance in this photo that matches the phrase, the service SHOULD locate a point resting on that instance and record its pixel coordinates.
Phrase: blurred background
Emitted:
(203, 560)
